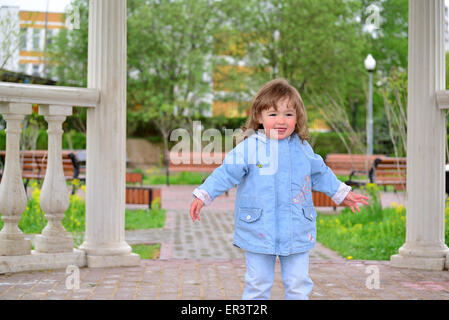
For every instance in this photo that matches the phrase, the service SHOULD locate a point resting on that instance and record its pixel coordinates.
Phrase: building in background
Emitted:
(30, 33)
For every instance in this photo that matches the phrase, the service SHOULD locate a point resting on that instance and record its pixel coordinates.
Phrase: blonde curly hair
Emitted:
(269, 96)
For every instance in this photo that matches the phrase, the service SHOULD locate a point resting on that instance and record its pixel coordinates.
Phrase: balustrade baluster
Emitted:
(13, 198)
(54, 199)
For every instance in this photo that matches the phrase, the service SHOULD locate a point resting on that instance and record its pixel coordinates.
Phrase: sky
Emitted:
(37, 5)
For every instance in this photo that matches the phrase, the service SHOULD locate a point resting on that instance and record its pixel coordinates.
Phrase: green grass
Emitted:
(374, 233)
(184, 177)
(33, 218)
(144, 219)
(147, 251)
(364, 235)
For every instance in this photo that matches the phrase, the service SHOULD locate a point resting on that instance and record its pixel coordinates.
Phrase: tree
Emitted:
(10, 35)
(169, 61)
(390, 45)
(67, 54)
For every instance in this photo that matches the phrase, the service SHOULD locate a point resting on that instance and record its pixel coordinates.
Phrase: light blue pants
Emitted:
(259, 276)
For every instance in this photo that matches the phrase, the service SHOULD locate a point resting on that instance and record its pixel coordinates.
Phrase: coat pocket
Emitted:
(309, 213)
(250, 228)
(250, 214)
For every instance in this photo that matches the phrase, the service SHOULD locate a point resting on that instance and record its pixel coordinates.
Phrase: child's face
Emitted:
(281, 123)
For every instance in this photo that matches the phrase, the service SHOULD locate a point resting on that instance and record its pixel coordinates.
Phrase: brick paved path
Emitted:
(198, 261)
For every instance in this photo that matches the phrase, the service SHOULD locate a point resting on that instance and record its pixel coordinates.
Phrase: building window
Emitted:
(22, 67)
(35, 71)
(36, 39)
(49, 37)
(23, 39)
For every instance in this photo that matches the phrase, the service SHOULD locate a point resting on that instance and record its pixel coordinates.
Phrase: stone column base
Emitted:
(128, 260)
(17, 247)
(447, 262)
(45, 244)
(42, 261)
(424, 263)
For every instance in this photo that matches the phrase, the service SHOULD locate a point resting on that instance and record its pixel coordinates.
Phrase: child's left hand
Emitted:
(352, 199)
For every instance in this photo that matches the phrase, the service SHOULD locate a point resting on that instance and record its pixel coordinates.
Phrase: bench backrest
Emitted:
(195, 161)
(34, 163)
(134, 177)
(390, 170)
(346, 163)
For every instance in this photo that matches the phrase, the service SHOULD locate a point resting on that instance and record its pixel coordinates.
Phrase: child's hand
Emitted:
(352, 199)
(195, 208)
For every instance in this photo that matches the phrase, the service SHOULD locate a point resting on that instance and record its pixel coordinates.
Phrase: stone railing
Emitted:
(54, 247)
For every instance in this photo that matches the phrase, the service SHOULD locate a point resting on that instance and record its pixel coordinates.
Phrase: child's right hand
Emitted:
(195, 208)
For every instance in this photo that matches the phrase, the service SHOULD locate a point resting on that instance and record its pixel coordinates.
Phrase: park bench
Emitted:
(142, 195)
(320, 199)
(345, 164)
(383, 172)
(390, 171)
(200, 165)
(194, 162)
(34, 164)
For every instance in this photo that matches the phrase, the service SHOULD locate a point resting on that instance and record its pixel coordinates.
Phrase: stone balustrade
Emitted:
(54, 247)
(104, 238)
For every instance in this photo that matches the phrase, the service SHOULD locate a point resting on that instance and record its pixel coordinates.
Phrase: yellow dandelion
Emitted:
(349, 257)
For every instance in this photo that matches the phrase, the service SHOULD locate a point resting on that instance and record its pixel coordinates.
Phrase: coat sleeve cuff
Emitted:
(203, 196)
(341, 193)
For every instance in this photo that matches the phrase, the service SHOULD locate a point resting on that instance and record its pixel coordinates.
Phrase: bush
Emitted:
(375, 233)
(324, 143)
(78, 140)
(33, 218)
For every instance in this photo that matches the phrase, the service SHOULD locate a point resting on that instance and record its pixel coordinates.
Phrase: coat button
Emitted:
(248, 217)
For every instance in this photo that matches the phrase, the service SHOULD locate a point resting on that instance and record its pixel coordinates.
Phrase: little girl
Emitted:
(274, 212)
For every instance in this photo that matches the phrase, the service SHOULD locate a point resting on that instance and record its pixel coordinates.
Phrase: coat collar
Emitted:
(260, 135)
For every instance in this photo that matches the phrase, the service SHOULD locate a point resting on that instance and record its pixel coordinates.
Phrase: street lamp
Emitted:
(370, 65)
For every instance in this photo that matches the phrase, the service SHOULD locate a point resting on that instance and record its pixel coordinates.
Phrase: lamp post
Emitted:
(370, 65)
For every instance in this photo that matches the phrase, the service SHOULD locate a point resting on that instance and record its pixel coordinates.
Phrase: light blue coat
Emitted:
(274, 212)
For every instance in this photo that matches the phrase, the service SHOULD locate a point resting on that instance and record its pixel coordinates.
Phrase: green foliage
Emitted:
(78, 140)
(33, 218)
(390, 46)
(375, 233)
(168, 48)
(184, 177)
(308, 42)
(2, 140)
(324, 143)
(74, 140)
(67, 54)
(146, 251)
(145, 219)
(68, 50)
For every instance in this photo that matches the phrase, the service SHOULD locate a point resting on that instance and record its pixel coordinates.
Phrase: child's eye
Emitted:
(272, 115)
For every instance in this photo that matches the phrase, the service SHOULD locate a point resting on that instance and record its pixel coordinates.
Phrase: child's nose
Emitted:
(281, 119)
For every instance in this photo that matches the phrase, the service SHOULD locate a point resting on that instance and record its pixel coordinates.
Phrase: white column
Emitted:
(424, 247)
(54, 199)
(106, 138)
(13, 199)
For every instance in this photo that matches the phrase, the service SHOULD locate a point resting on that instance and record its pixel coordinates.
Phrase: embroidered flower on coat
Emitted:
(306, 189)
